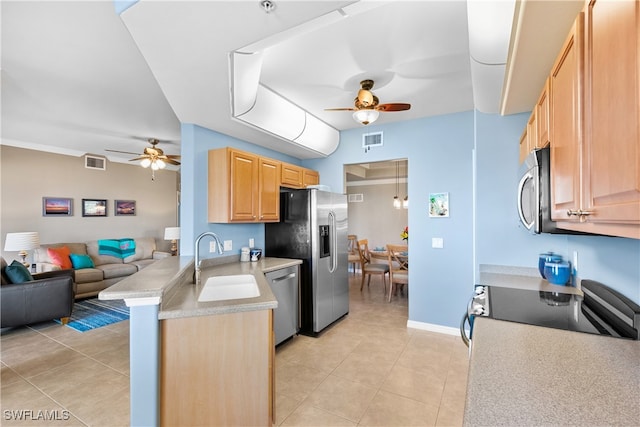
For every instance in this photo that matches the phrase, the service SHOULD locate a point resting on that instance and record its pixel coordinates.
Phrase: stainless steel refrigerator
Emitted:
(313, 228)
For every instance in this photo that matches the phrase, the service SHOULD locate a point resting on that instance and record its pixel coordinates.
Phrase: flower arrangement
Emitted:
(405, 234)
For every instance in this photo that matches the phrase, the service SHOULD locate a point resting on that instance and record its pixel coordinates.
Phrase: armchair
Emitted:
(49, 296)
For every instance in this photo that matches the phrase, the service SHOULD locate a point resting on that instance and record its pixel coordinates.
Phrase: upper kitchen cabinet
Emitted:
(595, 162)
(542, 118)
(566, 96)
(298, 177)
(524, 145)
(243, 187)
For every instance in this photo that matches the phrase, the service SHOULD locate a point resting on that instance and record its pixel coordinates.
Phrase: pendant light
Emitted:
(405, 202)
(396, 201)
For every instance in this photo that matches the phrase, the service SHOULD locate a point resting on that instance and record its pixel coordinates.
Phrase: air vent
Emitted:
(356, 198)
(93, 162)
(373, 139)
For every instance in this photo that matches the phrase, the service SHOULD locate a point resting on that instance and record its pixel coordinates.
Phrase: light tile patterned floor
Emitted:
(368, 369)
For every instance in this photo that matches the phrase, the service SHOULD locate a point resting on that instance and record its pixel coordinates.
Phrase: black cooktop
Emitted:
(601, 311)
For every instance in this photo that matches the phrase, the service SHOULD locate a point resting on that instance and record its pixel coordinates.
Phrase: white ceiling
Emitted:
(78, 78)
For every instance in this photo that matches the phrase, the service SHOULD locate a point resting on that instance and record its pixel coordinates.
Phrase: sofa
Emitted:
(44, 296)
(102, 270)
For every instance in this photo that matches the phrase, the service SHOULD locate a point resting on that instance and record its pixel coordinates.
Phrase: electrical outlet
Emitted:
(212, 246)
(228, 245)
(437, 242)
(252, 243)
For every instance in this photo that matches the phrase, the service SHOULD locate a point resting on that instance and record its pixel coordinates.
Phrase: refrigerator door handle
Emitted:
(332, 244)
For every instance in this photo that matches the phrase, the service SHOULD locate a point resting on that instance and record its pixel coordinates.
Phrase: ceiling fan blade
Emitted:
(172, 162)
(339, 109)
(123, 152)
(398, 106)
(173, 156)
(139, 158)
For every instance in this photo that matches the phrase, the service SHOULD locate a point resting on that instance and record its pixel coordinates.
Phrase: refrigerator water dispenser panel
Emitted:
(325, 245)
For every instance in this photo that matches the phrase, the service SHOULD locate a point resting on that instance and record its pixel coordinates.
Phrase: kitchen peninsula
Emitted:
(211, 362)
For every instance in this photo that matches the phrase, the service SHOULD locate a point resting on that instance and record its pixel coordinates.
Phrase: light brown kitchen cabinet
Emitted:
(524, 145)
(310, 177)
(542, 118)
(606, 164)
(566, 95)
(217, 370)
(294, 176)
(243, 187)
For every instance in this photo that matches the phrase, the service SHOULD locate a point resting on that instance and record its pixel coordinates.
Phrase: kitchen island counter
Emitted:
(529, 375)
(171, 281)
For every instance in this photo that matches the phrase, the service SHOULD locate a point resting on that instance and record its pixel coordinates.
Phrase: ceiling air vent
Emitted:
(93, 162)
(356, 198)
(373, 139)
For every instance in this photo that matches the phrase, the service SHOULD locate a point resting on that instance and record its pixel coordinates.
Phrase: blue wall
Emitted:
(445, 154)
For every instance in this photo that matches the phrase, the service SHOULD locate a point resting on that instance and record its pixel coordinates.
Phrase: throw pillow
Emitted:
(60, 257)
(81, 261)
(18, 273)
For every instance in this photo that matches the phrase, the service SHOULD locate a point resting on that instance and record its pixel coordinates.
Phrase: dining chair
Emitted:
(354, 256)
(369, 268)
(398, 256)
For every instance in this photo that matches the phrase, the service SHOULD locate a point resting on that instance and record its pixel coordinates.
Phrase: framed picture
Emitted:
(124, 207)
(94, 207)
(57, 206)
(439, 205)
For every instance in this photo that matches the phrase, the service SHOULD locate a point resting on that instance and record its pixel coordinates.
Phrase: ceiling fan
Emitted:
(367, 106)
(153, 157)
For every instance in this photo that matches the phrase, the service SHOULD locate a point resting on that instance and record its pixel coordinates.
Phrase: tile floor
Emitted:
(368, 369)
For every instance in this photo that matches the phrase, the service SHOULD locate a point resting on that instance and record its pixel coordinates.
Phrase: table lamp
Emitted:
(21, 243)
(173, 234)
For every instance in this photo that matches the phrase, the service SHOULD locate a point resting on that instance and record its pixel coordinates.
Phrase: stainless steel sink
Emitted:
(220, 288)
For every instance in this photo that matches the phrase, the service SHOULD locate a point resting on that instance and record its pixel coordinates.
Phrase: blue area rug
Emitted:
(93, 313)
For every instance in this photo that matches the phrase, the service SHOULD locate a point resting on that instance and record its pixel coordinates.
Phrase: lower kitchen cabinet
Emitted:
(217, 370)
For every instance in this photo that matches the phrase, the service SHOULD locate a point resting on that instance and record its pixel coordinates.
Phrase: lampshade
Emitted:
(366, 116)
(172, 233)
(23, 241)
(405, 202)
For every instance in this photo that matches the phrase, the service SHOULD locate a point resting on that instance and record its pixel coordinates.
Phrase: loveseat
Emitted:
(96, 271)
(35, 298)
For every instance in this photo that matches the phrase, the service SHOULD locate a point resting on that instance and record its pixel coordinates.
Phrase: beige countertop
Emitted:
(170, 279)
(521, 278)
(529, 375)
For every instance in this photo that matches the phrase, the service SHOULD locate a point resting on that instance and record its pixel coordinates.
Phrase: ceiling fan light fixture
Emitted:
(366, 116)
(161, 164)
(365, 97)
(145, 163)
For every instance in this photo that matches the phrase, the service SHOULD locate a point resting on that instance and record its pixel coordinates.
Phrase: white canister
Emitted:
(244, 254)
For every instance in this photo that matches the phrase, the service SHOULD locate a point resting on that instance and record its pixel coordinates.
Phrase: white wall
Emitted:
(28, 176)
(375, 218)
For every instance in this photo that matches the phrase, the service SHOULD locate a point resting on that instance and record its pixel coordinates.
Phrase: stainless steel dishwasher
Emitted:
(285, 286)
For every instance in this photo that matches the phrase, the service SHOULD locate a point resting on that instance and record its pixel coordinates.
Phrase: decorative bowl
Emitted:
(547, 257)
(557, 273)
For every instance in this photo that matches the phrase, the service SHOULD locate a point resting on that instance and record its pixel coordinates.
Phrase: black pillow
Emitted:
(18, 273)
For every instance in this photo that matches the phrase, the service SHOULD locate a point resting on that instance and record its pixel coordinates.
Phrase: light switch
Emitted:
(437, 242)
(252, 243)
(212, 246)
(228, 245)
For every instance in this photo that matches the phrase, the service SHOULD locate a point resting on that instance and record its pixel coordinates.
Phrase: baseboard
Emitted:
(433, 328)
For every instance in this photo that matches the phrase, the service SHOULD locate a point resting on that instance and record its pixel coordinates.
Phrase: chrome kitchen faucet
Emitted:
(196, 278)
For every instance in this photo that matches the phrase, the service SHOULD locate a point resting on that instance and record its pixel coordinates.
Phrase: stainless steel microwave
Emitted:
(534, 193)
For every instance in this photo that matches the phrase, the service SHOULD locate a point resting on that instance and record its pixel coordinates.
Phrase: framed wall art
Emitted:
(57, 206)
(124, 207)
(94, 207)
(438, 205)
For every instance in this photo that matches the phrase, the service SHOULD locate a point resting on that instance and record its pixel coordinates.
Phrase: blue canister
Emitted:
(558, 272)
(547, 257)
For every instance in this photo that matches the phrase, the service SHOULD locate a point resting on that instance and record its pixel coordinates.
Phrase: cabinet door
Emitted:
(612, 153)
(566, 83)
(524, 145)
(532, 131)
(542, 118)
(269, 202)
(291, 176)
(310, 177)
(244, 186)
